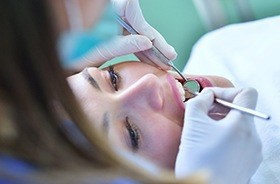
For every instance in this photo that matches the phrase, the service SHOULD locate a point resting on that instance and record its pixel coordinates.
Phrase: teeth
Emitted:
(181, 90)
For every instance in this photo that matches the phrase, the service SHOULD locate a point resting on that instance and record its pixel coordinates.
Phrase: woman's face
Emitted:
(137, 106)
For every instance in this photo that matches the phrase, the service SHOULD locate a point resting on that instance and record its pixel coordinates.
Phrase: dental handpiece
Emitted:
(165, 60)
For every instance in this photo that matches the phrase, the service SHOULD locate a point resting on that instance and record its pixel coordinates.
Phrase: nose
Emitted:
(144, 93)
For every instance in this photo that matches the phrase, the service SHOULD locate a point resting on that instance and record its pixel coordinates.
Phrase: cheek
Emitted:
(164, 139)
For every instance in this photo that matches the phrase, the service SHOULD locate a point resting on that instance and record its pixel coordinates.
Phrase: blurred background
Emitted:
(183, 22)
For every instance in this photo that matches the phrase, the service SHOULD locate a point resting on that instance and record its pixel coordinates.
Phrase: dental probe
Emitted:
(153, 51)
(165, 60)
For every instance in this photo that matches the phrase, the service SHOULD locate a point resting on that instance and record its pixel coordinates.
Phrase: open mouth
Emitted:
(199, 84)
(202, 83)
(185, 93)
(177, 91)
(181, 90)
(180, 80)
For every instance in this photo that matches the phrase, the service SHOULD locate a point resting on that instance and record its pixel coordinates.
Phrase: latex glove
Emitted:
(130, 10)
(229, 148)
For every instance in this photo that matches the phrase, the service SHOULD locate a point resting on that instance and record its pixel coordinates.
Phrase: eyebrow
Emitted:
(105, 123)
(90, 79)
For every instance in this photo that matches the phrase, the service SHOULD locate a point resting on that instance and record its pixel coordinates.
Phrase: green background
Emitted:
(180, 24)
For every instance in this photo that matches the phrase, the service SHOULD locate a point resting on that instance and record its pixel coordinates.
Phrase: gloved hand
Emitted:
(229, 148)
(130, 10)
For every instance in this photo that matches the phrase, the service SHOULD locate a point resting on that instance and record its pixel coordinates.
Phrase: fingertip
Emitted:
(252, 92)
(207, 93)
(172, 53)
(203, 101)
(247, 97)
(207, 96)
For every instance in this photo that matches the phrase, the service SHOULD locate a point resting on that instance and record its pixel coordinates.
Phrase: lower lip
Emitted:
(175, 91)
(203, 82)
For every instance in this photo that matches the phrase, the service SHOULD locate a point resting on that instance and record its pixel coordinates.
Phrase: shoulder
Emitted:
(231, 50)
(236, 34)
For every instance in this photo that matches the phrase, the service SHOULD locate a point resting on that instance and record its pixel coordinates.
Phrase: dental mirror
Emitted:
(191, 87)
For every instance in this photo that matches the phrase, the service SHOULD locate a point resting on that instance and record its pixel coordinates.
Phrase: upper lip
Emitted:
(175, 90)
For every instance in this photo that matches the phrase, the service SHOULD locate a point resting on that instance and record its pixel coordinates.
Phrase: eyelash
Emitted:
(133, 133)
(132, 130)
(115, 77)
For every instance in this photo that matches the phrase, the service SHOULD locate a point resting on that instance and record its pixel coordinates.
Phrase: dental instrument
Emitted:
(194, 85)
(187, 82)
(220, 101)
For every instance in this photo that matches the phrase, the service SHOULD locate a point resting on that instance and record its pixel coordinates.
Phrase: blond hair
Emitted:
(32, 89)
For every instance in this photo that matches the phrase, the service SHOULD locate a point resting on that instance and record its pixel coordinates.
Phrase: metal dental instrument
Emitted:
(223, 102)
(152, 51)
(159, 55)
(186, 82)
(192, 86)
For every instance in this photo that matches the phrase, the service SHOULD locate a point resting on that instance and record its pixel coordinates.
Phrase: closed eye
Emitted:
(133, 134)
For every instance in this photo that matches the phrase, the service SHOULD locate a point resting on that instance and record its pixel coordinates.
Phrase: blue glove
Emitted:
(230, 148)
